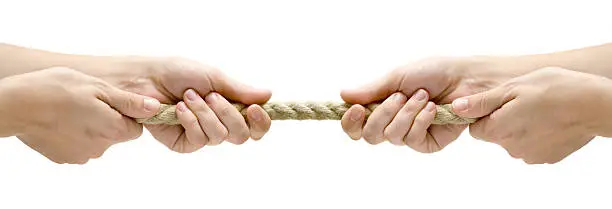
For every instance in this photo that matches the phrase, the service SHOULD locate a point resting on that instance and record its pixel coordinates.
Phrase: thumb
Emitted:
(481, 104)
(133, 105)
(238, 91)
(377, 90)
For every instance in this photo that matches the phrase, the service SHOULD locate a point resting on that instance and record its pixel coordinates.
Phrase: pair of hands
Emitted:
(72, 116)
(540, 116)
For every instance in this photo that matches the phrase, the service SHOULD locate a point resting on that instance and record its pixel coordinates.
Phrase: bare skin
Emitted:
(68, 116)
(405, 118)
(201, 93)
(543, 116)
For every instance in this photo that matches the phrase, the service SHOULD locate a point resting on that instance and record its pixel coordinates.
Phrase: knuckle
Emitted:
(183, 146)
(241, 137)
(198, 106)
(418, 147)
(193, 123)
(369, 135)
(354, 136)
(397, 142)
(189, 121)
(421, 121)
(387, 112)
(214, 142)
(132, 103)
(483, 102)
(412, 107)
(370, 138)
(244, 134)
(225, 111)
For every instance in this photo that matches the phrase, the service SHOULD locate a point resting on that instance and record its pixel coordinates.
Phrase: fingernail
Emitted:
(191, 95)
(181, 107)
(216, 95)
(398, 97)
(356, 115)
(256, 115)
(420, 95)
(430, 107)
(211, 97)
(460, 104)
(151, 105)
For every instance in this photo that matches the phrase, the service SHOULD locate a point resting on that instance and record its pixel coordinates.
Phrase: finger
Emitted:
(131, 104)
(238, 131)
(445, 134)
(193, 131)
(381, 117)
(418, 138)
(482, 104)
(399, 127)
(238, 91)
(259, 121)
(352, 121)
(133, 129)
(117, 127)
(497, 126)
(210, 124)
(99, 150)
(374, 91)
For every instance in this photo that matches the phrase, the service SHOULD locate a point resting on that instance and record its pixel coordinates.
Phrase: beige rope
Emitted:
(307, 111)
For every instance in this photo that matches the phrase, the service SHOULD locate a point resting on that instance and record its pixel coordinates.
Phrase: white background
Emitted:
(305, 50)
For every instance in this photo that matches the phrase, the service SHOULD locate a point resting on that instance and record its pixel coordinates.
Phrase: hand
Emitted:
(405, 118)
(68, 116)
(204, 121)
(543, 116)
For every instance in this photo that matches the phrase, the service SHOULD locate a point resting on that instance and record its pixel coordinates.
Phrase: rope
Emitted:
(307, 111)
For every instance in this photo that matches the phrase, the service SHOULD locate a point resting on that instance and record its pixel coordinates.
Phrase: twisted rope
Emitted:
(307, 111)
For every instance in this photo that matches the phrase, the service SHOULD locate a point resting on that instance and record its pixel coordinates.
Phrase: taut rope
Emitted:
(307, 111)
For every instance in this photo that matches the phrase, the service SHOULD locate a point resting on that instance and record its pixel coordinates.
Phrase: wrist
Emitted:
(12, 118)
(490, 71)
(599, 123)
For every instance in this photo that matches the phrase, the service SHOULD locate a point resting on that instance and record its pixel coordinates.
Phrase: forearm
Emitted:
(18, 60)
(593, 60)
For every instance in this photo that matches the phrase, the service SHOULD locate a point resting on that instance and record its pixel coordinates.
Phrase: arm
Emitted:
(203, 116)
(594, 60)
(68, 116)
(443, 80)
(542, 116)
(16, 60)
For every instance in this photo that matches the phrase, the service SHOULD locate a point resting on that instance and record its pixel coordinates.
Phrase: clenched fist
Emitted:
(68, 116)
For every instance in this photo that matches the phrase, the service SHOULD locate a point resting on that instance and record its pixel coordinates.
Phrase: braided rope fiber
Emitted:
(306, 111)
